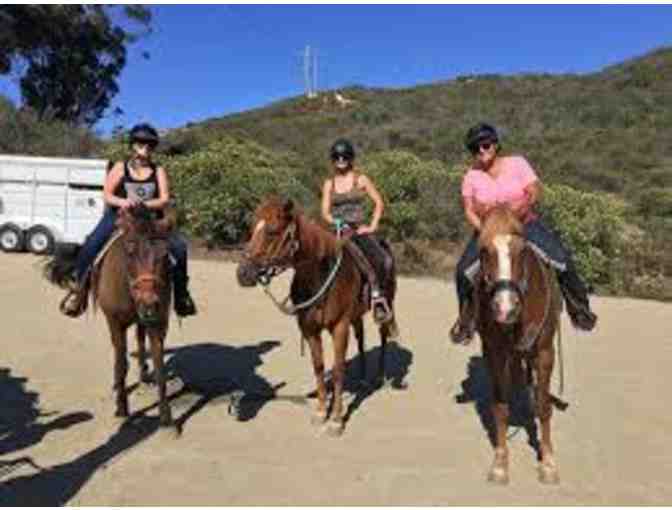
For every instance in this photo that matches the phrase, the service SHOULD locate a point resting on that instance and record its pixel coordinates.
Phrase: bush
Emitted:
(21, 132)
(218, 188)
(593, 227)
(421, 197)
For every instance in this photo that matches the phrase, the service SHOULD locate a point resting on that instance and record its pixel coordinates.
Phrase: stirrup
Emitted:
(185, 307)
(381, 310)
(464, 329)
(580, 315)
(67, 307)
(461, 334)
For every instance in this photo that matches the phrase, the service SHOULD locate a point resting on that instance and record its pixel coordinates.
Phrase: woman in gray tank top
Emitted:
(343, 205)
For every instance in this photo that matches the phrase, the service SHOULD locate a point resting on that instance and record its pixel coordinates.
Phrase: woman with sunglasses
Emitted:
(127, 184)
(495, 179)
(343, 202)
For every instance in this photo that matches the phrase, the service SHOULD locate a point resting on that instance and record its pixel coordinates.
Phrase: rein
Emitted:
(288, 309)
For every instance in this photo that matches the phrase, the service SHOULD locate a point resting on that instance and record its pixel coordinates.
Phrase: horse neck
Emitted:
(315, 243)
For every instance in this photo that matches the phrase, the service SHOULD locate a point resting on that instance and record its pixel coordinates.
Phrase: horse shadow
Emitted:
(57, 485)
(214, 373)
(477, 388)
(20, 414)
(398, 360)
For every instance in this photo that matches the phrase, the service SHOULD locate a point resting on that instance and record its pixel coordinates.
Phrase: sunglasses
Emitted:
(485, 146)
(338, 159)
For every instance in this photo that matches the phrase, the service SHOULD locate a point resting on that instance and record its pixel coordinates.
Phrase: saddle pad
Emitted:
(113, 238)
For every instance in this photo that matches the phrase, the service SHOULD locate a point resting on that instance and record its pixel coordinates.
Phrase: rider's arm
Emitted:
(326, 202)
(473, 209)
(373, 193)
(114, 177)
(164, 191)
(471, 213)
(531, 187)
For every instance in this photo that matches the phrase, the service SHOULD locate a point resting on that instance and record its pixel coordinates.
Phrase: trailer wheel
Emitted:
(40, 240)
(11, 238)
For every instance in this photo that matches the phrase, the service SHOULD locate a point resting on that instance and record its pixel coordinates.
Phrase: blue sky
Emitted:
(210, 60)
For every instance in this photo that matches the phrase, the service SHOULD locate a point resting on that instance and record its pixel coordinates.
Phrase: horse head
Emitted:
(145, 244)
(502, 252)
(273, 242)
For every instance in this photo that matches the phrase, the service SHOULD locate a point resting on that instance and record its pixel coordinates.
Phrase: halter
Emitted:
(279, 263)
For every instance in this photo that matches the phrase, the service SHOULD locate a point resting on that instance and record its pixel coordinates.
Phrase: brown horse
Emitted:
(519, 307)
(327, 291)
(132, 286)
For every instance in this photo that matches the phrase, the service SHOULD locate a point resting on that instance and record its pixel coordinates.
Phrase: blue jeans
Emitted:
(95, 241)
(539, 235)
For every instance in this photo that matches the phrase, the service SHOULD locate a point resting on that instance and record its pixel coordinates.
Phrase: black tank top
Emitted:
(142, 189)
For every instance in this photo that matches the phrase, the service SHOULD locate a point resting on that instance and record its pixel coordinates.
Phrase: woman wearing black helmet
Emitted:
(128, 183)
(495, 179)
(343, 198)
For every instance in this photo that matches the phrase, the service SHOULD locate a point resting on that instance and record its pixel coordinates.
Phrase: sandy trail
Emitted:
(59, 443)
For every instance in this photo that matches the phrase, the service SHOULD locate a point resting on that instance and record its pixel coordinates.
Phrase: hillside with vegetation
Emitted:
(600, 142)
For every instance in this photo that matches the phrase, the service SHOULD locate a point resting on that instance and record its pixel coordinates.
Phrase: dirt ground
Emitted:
(423, 445)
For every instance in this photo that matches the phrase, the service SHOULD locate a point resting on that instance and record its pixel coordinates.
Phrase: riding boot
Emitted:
(464, 328)
(576, 298)
(184, 304)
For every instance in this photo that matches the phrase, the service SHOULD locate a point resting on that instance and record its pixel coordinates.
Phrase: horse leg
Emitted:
(317, 357)
(118, 337)
(501, 382)
(340, 337)
(358, 326)
(548, 470)
(156, 338)
(141, 334)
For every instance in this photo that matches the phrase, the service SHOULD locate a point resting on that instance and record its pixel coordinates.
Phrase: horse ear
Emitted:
(288, 207)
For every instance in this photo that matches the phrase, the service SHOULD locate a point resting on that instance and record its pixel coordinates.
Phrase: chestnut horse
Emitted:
(518, 309)
(327, 291)
(132, 285)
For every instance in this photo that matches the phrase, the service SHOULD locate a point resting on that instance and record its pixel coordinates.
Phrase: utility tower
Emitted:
(310, 71)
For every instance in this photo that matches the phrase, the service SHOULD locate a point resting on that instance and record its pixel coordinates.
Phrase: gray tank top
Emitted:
(348, 206)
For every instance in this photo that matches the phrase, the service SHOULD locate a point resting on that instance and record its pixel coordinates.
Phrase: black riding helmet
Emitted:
(344, 148)
(144, 133)
(481, 132)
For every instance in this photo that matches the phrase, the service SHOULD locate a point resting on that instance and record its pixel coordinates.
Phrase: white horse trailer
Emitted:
(44, 201)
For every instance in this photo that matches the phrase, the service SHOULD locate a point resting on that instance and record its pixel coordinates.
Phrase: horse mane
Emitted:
(500, 220)
(316, 239)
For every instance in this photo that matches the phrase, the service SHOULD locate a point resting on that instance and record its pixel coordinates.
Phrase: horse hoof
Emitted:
(335, 428)
(549, 475)
(499, 476)
(318, 418)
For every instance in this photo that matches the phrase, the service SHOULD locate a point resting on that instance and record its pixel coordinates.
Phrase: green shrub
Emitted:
(218, 188)
(593, 227)
(22, 132)
(422, 198)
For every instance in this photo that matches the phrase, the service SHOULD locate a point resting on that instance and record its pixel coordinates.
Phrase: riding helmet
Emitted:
(144, 133)
(480, 133)
(342, 147)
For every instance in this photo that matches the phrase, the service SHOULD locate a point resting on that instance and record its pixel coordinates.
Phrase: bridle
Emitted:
(278, 260)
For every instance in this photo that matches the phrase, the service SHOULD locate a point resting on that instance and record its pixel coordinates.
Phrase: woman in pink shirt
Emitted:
(493, 180)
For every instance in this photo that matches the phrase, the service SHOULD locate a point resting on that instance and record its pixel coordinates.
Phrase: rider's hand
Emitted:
(365, 229)
(130, 203)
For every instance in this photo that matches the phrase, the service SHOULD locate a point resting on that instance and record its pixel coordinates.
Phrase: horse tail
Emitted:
(59, 269)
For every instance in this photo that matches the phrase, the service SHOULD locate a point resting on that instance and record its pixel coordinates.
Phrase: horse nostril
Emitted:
(247, 275)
